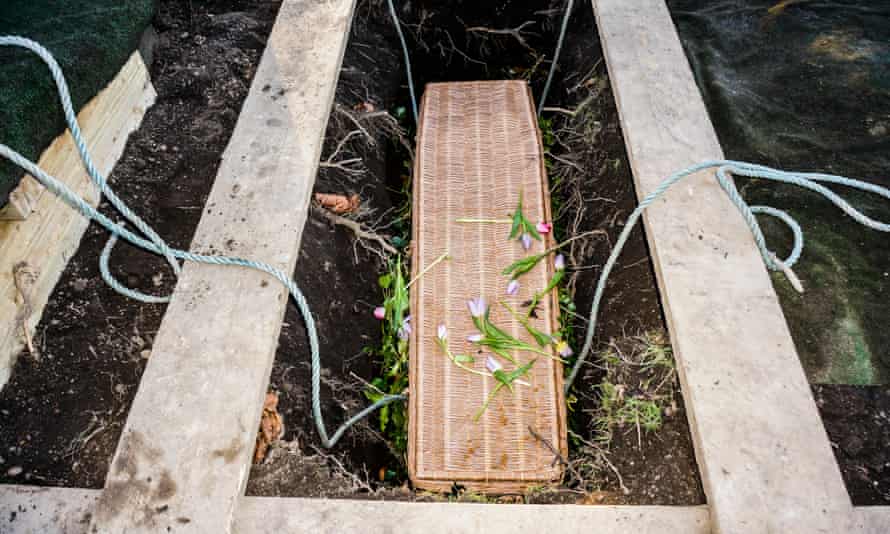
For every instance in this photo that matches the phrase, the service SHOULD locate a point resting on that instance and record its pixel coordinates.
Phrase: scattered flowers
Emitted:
(544, 227)
(540, 337)
(498, 341)
(559, 262)
(405, 329)
(526, 241)
(563, 349)
(523, 228)
(524, 265)
(460, 360)
(513, 287)
(504, 379)
(380, 313)
(474, 338)
(477, 307)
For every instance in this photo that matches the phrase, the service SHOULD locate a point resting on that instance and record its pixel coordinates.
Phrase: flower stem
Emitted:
(567, 241)
(483, 221)
(522, 320)
(441, 258)
(543, 353)
(488, 401)
(464, 367)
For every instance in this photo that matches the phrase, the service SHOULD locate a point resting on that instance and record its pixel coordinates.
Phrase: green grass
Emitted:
(638, 385)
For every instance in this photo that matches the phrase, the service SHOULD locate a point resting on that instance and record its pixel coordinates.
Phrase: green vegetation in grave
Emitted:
(393, 355)
(638, 387)
(567, 308)
(392, 352)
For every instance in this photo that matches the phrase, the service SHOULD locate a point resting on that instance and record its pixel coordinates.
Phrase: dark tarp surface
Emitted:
(91, 40)
(805, 85)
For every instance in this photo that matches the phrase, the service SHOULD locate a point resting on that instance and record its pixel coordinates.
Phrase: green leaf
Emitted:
(503, 378)
(517, 223)
(530, 229)
(464, 358)
(541, 338)
(384, 417)
(385, 281)
(520, 371)
(520, 267)
(507, 379)
(503, 354)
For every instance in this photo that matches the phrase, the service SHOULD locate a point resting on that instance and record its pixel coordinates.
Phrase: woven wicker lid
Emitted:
(478, 148)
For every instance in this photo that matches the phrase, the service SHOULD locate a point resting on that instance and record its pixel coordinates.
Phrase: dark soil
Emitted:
(342, 287)
(61, 416)
(857, 419)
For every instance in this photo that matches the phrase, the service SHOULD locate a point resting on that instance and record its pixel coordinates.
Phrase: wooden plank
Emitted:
(32, 510)
(47, 239)
(872, 519)
(479, 148)
(765, 459)
(36, 510)
(258, 515)
(184, 456)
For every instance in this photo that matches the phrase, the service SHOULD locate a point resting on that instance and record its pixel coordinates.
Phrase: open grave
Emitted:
(161, 410)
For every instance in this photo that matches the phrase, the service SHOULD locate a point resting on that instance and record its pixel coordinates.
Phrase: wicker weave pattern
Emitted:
(478, 148)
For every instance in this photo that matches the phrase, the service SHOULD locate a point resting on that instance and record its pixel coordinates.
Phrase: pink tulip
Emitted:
(544, 227)
(380, 312)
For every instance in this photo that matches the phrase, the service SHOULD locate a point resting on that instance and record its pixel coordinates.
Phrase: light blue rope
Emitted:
(562, 36)
(407, 56)
(398, 26)
(156, 245)
(724, 170)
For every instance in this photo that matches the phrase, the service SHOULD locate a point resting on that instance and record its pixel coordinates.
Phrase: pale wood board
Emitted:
(38, 510)
(321, 516)
(67, 511)
(765, 460)
(187, 444)
(48, 238)
(18, 205)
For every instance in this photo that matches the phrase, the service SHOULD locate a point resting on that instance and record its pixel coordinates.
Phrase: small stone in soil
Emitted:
(80, 284)
(14, 471)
